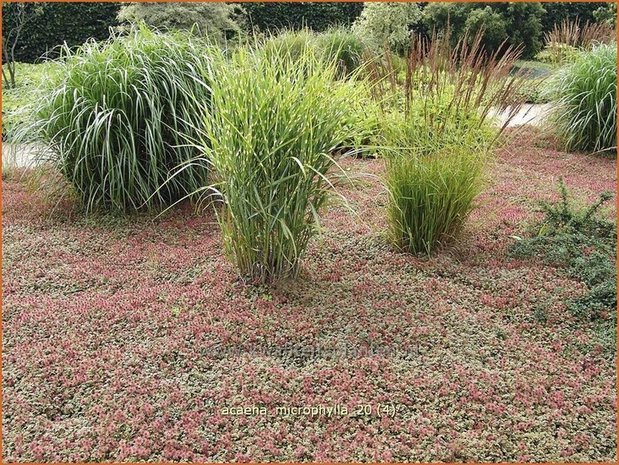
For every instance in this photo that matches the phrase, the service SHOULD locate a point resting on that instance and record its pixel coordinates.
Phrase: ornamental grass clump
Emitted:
(576, 34)
(119, 122)
(288, 48)
(438, 146)
(430, 196)
(343, 47)
(337, 45)
(269, 142)
(584, 93)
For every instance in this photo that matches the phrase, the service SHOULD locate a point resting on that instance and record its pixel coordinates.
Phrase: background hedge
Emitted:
(558, 12)
(316, 16)
(56, 23)
(77, 22)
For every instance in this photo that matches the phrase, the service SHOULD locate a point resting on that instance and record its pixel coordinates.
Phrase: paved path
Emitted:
(22, 155)
(533, 114)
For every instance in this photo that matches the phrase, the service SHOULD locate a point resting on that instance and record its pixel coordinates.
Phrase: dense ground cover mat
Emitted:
(127, 340)
(119, 121)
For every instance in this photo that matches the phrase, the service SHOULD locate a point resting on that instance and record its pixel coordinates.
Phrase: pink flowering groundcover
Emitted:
(134, 340)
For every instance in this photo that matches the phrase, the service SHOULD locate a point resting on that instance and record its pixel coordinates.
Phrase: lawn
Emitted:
(134, 339)
(15, 101)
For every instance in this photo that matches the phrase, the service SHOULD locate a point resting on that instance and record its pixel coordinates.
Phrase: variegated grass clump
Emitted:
(270, 142)
(119, 121)
(585, 100)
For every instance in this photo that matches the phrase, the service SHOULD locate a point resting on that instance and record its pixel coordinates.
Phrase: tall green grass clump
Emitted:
(271, 139)
(438, 146)
(430, 196)
(343, 47)
(585, 93)
(288, 48)
(120, 120)
(337, 45)
(346, 53)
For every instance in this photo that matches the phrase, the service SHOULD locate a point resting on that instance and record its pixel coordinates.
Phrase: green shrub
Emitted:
(584, 244)
(316, 16)
(558, 12)
(491, 22)
(438, 146)
(51, 24)
(271, 137)
(387, 25)
(585, 114)
(518, 24)
(532, 91)
(217, 21)
(606, 14)
(119, 121)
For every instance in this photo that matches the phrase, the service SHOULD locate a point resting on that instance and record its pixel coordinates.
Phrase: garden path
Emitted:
(533, 114)
(19, 155)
